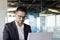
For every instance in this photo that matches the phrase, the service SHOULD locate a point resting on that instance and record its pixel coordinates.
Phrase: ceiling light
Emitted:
(52, 10)
(11, 9)
(45, 14)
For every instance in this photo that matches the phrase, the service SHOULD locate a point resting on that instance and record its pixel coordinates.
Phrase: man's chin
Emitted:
(20, 23)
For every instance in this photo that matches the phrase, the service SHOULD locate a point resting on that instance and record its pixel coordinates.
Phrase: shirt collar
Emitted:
(18, 25)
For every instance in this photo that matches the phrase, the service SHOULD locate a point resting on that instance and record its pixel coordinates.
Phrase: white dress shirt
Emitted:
(20, 31)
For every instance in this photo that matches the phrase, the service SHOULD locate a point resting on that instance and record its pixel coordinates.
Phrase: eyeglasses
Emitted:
(21, 17)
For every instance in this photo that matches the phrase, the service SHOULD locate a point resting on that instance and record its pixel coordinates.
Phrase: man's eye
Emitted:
(19, 16)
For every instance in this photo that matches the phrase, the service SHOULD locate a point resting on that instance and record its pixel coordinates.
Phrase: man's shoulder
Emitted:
(9, 23)
(26, 24)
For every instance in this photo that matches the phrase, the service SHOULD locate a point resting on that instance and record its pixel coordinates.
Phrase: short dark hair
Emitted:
(22, 9)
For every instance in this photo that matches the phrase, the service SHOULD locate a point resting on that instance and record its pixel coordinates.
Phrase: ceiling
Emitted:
(38, 5)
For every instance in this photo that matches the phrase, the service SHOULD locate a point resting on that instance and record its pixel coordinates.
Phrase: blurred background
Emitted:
(43, 15)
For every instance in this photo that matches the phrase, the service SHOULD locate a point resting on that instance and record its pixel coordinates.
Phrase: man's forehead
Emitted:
(20, 13)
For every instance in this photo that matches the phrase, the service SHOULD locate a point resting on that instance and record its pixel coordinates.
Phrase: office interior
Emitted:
(43, 15)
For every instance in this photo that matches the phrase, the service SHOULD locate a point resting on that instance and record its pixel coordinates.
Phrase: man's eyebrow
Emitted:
(21, 16)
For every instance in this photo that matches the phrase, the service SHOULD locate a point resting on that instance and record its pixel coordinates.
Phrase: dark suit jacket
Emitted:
(11, 33)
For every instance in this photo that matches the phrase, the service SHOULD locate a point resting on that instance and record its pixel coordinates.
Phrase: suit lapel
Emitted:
(15, 30)
(25, 32)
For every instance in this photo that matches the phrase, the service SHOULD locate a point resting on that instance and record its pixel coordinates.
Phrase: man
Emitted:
(17, 30)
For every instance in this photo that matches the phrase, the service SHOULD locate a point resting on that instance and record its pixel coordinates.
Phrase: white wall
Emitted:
(3, 7)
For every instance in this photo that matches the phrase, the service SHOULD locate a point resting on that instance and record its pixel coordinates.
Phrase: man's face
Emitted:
(20, 16)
